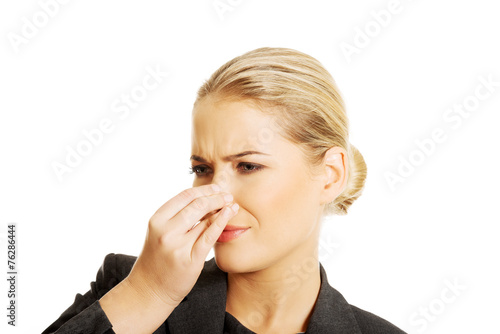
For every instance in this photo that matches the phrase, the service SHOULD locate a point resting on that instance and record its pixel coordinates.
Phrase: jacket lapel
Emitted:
(204, 308)
(332, 313)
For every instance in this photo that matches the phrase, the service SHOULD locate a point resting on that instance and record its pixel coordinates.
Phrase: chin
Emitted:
(230, 259)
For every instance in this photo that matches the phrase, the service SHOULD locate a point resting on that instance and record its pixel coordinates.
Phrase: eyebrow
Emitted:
(229, 157)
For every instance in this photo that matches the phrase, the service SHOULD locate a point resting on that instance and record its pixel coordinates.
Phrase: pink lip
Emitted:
(231, 232)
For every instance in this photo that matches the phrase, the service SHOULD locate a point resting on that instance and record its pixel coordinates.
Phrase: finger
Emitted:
(198, 210)
(206, 221)
(208, 218)
(209, 236)
(178, 202)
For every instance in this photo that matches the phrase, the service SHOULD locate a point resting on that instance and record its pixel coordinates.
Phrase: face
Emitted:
(236, 145)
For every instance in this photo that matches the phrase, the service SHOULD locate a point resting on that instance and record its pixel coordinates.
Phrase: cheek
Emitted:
(279, 201)
(257, 196)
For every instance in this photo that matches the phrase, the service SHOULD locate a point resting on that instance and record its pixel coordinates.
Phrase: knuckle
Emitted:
(187, 211)
(201, 203)
(208, 238)
(164, 240)
(178, 255)
(153, 223)
(188, 194)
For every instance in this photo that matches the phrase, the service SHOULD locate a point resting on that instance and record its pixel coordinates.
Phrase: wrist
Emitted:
(149, 294)
(132, 309)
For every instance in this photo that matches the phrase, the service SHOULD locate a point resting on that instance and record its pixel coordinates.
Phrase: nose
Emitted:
(222, 178)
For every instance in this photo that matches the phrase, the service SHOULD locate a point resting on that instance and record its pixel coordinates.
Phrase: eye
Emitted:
(242, 167)
(199, 170)
(247, 168)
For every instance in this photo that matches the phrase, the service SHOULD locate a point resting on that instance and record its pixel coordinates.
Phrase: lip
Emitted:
(231, 232)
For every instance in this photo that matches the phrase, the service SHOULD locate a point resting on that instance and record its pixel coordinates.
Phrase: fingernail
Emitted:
(216, 187)
(226, 212)
(228, 197)
(235, 207)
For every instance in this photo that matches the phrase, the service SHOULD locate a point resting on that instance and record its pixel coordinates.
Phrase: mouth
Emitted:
(232, 232)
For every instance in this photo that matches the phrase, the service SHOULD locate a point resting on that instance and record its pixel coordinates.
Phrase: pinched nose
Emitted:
(222, 178)
(214, 213)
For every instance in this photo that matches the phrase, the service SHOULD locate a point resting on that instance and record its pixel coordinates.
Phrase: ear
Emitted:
(335, 165)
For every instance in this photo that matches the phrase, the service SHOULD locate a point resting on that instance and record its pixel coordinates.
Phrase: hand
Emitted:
(175, 248)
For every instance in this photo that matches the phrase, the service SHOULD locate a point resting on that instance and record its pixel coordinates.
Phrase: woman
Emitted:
(271, 158)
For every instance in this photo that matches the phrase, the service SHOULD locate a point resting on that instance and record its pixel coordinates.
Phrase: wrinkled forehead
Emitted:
(223, 126)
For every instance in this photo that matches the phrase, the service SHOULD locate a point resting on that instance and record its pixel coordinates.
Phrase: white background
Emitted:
(393, 254)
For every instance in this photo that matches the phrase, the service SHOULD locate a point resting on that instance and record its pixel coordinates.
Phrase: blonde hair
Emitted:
(311, 111)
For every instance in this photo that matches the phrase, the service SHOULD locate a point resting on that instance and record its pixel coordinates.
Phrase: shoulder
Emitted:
(113, 270)
(332, 311)
(373, 324)
(118, 264)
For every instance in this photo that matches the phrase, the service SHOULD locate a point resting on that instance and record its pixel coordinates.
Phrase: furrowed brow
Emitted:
(229, 157)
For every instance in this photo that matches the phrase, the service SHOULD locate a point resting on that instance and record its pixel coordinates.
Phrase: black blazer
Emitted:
(207, 304)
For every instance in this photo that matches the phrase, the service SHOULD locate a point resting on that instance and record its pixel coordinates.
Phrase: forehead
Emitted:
(226, 126)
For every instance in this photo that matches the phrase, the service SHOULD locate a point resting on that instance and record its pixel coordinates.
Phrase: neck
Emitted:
(280, 298)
